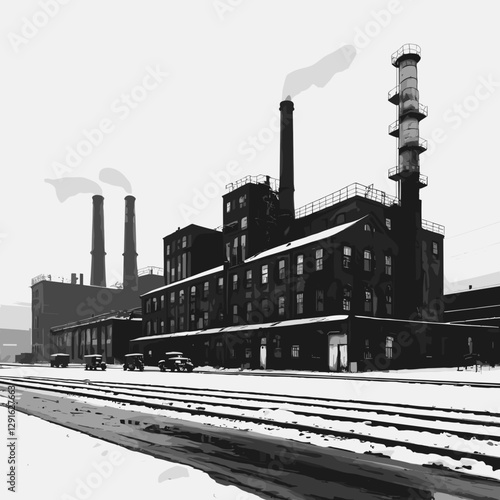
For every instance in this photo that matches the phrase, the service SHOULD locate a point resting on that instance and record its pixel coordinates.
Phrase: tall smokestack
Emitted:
(98, 267)
(286, 189)
(130, 278)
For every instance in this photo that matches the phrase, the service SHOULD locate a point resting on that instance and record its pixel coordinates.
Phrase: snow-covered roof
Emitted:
(191, 278)
(327, 233)
(240, 328)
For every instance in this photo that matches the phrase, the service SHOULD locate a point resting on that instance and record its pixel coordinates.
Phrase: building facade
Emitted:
(353, 276)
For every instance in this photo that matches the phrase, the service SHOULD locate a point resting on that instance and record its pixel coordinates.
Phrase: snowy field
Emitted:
(55, 463)
(168, 480)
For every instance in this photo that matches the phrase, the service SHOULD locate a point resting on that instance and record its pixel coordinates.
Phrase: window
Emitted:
(205, 289)
(320, 300)
(264, 274)
(235, 282)
(181, 297)
(248, 280)
(235, 314)
(193, 293)
(172, 274)
(319, 259)
(249, 311)
(148, 305)
(228, 206)
(205, 319)
(281, 305)
(367, 353)
(243, 241)
(346, 261)
(220, 284)
(388, 299)
(172, 325)
(235, 250)
(367, 260)
(162, 326)
(281, 269)
(346, 301)
(300, 265)
(181, 323)
(172, 297)
(162, 302)
(388, 224)
(168, 249)
(148, 328)
(244, 223)
(388, 265)
(192, 321)
(300, 303)
(184, 241)
(243, 201)
(155, 304)
(388, 347)
(266, 308)
(368, 300)
(435, 248)
(248, 352)
(295, 351)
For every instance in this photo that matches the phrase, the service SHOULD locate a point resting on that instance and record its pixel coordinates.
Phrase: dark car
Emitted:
(94, 361)
(134, 360)
(162, 364)
(179, 363)
(59, 359)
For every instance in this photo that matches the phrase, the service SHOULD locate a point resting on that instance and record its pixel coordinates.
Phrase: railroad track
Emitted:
(455, 434)
(319, 375)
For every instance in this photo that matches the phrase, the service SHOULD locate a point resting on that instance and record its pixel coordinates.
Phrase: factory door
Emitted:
(337, 351)
(263, 353)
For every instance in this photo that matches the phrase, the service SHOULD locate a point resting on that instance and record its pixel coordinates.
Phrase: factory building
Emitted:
(351, 281)
(108, 334)
(56, 303)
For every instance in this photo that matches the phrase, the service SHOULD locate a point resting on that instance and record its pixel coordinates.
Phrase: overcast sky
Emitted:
(178, 91)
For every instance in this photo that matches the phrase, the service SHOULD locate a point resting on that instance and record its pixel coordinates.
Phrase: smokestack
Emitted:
(286, 189)
(98, 267)
(130, 278)
(81, 279)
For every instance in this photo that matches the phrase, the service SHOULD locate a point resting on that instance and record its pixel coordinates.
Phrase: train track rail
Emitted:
(463, 430)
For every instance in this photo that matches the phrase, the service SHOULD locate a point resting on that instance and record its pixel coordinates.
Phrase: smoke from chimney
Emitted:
(98, 267)
(130, 277)
(320, 73)
(286, 189)
(115, 178)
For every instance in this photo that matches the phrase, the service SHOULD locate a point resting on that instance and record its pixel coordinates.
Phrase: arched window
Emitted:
(249, 311)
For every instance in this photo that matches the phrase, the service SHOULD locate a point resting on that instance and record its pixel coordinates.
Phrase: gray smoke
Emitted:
(115, 178)
(320, 73)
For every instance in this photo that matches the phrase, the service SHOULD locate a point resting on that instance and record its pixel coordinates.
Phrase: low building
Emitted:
(107, 334)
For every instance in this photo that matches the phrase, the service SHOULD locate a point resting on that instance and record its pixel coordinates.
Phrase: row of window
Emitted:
(266, 309)
(231, 205)
(181, 243)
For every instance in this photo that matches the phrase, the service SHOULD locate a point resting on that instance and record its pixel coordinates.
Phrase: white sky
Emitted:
(226, 75)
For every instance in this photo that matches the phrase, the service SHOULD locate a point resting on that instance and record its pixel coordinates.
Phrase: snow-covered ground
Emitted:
(356, 388)
(55, 463)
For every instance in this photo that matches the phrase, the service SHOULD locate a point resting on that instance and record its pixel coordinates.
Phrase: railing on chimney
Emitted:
(150, 270)
(345, 193)
(433, 227)
(257, 179)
